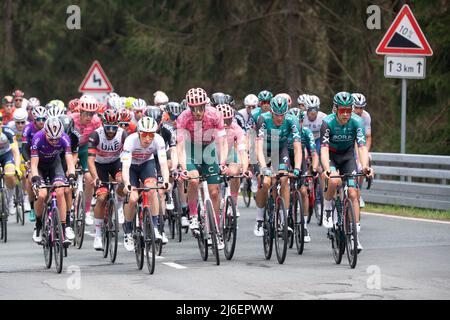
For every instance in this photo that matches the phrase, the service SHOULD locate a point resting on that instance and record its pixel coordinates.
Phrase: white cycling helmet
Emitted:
(115, 103)
(139, 104)
(20, 114)
(147, 124)
(301, 98)
(56, 110)
(160, 98)
(39, 112)
(251, 100)
(53, 128)
(312, 102)
(359, 101)
(33, 102)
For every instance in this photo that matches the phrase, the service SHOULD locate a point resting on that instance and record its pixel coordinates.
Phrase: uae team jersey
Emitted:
(200, 132)
(315, 125)
(106, 150)
(134, 153)
(45, 151)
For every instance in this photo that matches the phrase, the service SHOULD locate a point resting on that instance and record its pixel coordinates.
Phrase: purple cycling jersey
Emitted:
(46, 152)
(28, 132)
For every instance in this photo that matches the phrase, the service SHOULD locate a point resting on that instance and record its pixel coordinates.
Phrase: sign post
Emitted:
(96, 82)
(405, 46)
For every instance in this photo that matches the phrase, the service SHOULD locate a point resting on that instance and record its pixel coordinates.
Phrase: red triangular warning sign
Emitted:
(95, 80)
(404, 36)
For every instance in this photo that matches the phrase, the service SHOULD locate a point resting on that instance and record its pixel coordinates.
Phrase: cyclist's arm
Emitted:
(298, 153)
(260, 128)
(162, 158)
(34, 166)
(16, 153)
(368, 141)
(324, 146)
(70, 163)
(174, 157)
(126, 163)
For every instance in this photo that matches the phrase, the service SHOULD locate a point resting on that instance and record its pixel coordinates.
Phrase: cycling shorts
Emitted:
(104, 170)
(278, 160)
(52, 171)
(142, 172)
(344, 162)
(204, 160)
(7, 158)
(83, 156)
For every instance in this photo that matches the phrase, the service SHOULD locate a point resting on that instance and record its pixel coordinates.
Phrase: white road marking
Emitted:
(404, 218)
(174, 265)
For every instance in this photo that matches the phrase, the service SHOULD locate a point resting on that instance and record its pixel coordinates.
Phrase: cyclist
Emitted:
(125, 121)
(17, 125)
(86, 122)
(115, 103)
(264, 98)
(338, 135)
(32, 103)
(105, 147)
(301, 101)
(138, 164)
(250, 103)
(7, 109)
(18, 98)
(73, 106)
(39, 115)
(308, 150)
(160, 100)
(46, 164)
(359, 104)
(237, 159)
(287, 97)
(138, 106)
(10, 161)
(197, 128)
(273, 130)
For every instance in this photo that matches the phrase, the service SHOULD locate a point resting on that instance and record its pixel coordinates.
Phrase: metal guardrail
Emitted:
(421, 181)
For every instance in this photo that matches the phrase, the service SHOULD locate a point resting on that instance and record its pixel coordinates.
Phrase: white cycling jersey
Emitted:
(367, 122)
(134, 153)
(315, 125)
(106, 150)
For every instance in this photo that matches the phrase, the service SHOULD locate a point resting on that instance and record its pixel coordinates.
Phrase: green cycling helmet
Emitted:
(265, 95)
(279, 105)
(298, 113)
(343, 99)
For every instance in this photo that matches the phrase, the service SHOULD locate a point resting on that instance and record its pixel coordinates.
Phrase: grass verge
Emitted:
(408, 211)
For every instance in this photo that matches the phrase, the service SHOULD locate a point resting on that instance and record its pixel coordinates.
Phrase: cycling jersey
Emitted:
(6, 138)
(73, 134)
(253, 119)
(27, 137)
(339, 138)
(307, 139)
(17, 133)
(367, 122)
(200, 132)
(134, 154)
(270, 133)
(46, 152)
(168, 133)
(315, 125)
(106, 150)
(240, 120)
(86, 129)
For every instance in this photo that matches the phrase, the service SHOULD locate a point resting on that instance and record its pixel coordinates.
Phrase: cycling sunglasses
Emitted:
(228, 121)
(342, 111)
(124, 124)
(173, 117)
(87, 113)
(198, 109)
(20, 122)
(40, 119)
(147, 134)
(111, 127)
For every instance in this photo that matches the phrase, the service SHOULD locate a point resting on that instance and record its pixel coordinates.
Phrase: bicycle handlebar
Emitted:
(348, 176)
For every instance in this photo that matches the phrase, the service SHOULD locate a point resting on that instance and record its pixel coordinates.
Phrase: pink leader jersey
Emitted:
(235, 134)
(86, 129)
(201, 132)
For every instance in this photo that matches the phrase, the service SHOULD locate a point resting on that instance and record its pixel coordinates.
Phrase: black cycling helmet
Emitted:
(153, 112)
(67, 123)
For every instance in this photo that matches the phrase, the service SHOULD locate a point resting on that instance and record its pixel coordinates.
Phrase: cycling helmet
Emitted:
(110, 117)
(359, 101)
(251, 100)
(7, 100)
(53, 128)
(113, 95)
(196, 97)
(73, 105)
(279, 105)
(226, 110)
(39, 112)
(88, 104)
(67, 122)
(265, 95)
(101, 108)
(301, 98)
(124, 115)
(312, 102)
(129, 102)
(295, 112)
(139, 104)
(218, 98)
(154, 113)
(55, 110)
(343, 98)
(286, 96)
(230, 100)
(147, 124)
(160, 98)
(58, 102)
(33, 102)
(175, 109)
(115, 103)
(18, 94)
(20, 114)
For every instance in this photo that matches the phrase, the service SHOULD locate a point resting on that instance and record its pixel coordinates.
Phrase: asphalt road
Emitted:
(402, 259)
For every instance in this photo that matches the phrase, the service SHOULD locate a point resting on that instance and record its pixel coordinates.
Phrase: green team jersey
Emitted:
(339, 138)
(277, 136)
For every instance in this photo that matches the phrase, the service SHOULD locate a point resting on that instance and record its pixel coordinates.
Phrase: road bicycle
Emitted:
(19, 201)
(77, 211)
(174, 216)
(3, 208)
(343, 234)
(246, 191)
(52, 232)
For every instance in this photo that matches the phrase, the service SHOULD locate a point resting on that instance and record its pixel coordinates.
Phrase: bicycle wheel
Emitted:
(229, 228)
(79, 219)
(213, 232)
(58, 235)
(201, 236)
(268, 231)
(291, 224)
(351, 235)
(311, 201)
(247, 192)
(281, 227)
(46, 238)
(21, 205)
(149, 234)
(177, 214)
(299, 222)
(5, 213)
(138, 241)
(113, 229)
(337, 240)
(105, 231)
(171, 223)
(318, 205)
(158, 242)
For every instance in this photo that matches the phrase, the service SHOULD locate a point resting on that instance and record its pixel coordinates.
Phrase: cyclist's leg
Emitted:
(349, 166)
(332, 186)
(213, 187)
(234, 170)
(101, 193)
(67, 192)
(129, 208)
(284, 164)
(57, 177)
(88, 187)
(10, 179)
(148, 176)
